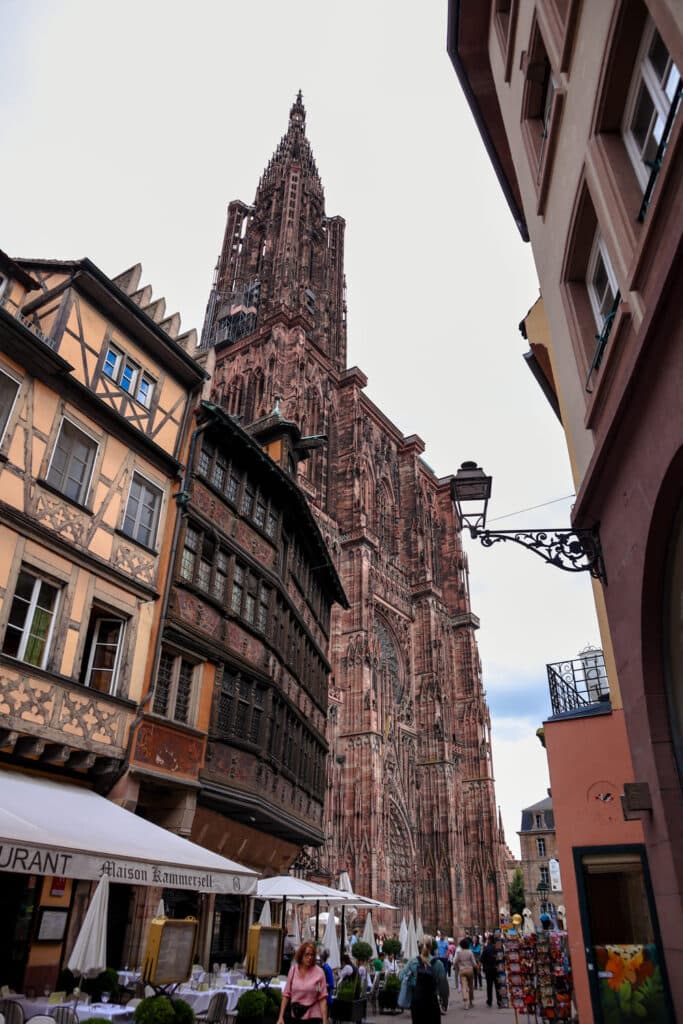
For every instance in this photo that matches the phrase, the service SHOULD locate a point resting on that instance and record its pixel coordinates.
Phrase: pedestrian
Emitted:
(306, 985)
(476, 949)
(428, 985)
(442, 952)
(329, 974)
(490, 969)
(466, 964)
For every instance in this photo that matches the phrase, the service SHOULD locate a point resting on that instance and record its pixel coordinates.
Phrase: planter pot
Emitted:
(388, 1000)
(353, 1010)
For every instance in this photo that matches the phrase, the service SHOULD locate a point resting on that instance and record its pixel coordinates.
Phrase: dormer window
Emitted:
(128, 375)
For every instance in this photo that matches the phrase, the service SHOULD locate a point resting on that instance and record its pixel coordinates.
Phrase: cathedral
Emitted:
(410, 808)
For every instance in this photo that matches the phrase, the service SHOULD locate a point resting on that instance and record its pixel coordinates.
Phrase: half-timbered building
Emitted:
(95, 394)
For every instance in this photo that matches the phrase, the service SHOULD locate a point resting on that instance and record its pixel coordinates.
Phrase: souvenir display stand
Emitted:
(538, 974)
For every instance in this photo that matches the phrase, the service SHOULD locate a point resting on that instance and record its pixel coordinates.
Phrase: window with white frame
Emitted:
(174, 687)
(545, 876)
(104, 645)
(9, 389)
(142, 511)
(128, 375)
(72, 462)
(540, 847)
(654, 90)
(601, 282)
(31, 619)
(539, 821)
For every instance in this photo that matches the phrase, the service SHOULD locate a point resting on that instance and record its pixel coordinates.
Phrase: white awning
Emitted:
(53, 828)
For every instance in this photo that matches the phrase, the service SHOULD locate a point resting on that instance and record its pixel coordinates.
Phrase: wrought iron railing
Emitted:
(601, 339)
(577, 684)
(656, 164)
(14, 310)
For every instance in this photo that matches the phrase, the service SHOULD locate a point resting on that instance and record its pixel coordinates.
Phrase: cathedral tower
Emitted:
(410, 795)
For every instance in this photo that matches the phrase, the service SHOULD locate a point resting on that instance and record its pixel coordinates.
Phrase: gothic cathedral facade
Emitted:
(410, 804)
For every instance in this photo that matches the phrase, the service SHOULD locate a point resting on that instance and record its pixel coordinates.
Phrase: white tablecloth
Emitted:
(112, 1011)
(199, 1001)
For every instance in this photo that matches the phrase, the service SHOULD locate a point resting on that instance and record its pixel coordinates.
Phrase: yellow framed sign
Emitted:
(169, 951)
(264, 951)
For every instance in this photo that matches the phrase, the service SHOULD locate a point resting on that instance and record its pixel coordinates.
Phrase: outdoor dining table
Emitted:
(42, 1005)
(199, 1000)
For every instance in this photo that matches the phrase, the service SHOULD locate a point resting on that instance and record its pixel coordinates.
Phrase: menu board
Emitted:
(169, 951)
(263, 951)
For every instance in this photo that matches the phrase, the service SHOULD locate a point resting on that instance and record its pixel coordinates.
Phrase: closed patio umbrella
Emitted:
(89, 955)
(403, 935)
(411, 940)
(419, 930)
(369, 935)
(296, 932)
(330, 940)
(264, 917)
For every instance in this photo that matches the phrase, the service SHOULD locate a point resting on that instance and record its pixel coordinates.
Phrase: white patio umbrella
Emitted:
(264, 916)
(403, 935)
(411, 940)
(324, 919)
(419, 930)
(89, 955)
(161, 909)
(369, 934)
(330, 940)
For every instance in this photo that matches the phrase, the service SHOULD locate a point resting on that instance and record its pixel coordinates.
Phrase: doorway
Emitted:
(18, 899)
(625, 958)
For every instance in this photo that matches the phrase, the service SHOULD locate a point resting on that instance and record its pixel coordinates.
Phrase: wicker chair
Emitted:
(64, 1015)
(12, 1011)
(215, 1014)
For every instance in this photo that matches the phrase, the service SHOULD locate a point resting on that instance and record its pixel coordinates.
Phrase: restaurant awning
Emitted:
(53, 828)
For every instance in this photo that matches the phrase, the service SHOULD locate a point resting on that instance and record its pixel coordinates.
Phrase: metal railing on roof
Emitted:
(578, 684)
(14, 310)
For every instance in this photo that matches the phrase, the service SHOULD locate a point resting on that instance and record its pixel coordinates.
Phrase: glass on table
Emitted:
(106, 996)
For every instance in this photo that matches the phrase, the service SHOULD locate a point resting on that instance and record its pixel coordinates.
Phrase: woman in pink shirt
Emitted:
(304, 996)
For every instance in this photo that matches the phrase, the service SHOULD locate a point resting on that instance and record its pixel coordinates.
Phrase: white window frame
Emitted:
(138, 376)
(83, 497)
(3, 426)
(38, 580)
(104, 617)
(118, 354)
(599, 251)
(644, 74)
(155, 532)
(540, 847)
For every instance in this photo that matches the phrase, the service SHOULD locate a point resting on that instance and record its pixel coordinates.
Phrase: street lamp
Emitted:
(572, 550)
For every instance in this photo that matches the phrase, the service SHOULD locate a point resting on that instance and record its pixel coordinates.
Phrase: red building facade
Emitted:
(410, 807)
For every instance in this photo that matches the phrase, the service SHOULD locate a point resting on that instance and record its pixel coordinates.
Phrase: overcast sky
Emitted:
(128, 126)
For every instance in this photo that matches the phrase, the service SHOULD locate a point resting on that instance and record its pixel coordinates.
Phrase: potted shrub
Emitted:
(392, 946)
(251, 1006)
(361, 952)
(388, 994)
(348, 1003)
(154, 1010)
(273, 1002)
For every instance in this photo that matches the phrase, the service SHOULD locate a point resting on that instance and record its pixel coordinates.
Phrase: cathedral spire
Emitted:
(283, 255)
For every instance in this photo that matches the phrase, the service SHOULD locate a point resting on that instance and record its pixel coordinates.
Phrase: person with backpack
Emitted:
(424, 986)
(490, 968)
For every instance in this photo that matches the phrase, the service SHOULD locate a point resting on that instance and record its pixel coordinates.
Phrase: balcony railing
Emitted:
(601, 341)
(578, 684)
(14, 311)
(656, 164)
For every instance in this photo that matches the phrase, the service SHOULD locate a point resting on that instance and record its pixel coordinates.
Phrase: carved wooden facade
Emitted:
(410, 792)
(249, 610)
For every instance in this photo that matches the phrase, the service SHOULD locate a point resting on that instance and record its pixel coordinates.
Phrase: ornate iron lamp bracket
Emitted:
(571, 550)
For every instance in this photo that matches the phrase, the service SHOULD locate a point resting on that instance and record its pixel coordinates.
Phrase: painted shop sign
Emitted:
(37, 860)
